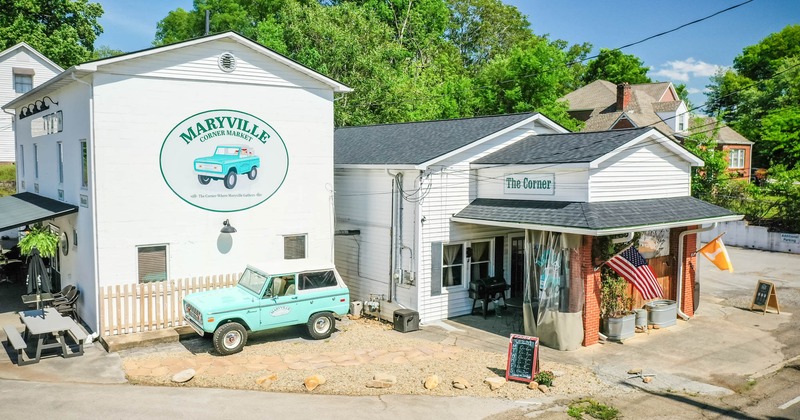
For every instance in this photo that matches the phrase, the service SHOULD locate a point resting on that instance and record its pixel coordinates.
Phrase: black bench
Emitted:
(16, 341)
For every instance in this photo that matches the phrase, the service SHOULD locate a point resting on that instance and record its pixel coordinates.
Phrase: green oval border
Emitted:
(161, 153)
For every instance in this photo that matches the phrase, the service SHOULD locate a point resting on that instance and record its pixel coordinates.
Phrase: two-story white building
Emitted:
(141, 160)
(425, 210)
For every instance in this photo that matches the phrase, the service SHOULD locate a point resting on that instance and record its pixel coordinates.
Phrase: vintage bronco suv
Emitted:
(269, 296)
(226, 163)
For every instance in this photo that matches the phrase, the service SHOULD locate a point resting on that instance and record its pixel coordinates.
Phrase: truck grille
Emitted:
(193, 313)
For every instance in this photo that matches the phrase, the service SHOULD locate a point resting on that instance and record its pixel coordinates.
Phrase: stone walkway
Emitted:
(209, 365)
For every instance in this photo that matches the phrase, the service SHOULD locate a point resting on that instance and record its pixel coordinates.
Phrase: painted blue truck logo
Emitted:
(227, 163)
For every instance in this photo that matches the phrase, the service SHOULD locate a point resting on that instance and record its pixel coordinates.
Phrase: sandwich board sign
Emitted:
(765, 297)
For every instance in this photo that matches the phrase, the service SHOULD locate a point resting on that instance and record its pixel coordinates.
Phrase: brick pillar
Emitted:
(591, 288)
(689, 273)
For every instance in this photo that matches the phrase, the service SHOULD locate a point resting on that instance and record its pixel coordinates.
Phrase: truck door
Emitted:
(279, 304)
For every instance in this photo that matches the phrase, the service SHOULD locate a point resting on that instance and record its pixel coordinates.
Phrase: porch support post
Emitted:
(689, 262)
(591, 287)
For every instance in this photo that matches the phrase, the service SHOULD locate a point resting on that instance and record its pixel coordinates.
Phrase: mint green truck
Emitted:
(269, 296)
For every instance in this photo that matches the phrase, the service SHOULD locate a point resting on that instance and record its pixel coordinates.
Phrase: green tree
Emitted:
(760, 96)
(528, 78)
(706, 179)
(616, 67)
(104, 51)
(62, 30)
(481, 29)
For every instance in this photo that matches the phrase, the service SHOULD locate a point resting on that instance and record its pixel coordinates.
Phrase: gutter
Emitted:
(679, 288)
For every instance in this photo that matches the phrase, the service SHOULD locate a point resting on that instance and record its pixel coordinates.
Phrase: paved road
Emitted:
(86, 401)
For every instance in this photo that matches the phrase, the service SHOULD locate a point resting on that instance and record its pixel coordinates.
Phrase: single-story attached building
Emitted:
(424, 210)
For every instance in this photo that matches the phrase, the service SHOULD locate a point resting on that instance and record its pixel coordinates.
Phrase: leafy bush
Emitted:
(592, 408)
(544, 377)
(614, 298)
(8, 173)
(41, 238)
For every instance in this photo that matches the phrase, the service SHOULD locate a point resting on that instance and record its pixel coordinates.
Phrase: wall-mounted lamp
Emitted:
(36, 108)
(227, 228)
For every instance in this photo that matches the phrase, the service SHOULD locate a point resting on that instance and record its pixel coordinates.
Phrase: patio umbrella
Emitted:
(38, 280)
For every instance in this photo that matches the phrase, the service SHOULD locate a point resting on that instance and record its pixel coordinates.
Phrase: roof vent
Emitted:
(227, 62)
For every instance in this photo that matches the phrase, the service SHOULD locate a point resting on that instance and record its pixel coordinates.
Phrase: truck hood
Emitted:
(221, 299)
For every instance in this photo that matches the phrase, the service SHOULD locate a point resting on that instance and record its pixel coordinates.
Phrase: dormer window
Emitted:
(681, 124)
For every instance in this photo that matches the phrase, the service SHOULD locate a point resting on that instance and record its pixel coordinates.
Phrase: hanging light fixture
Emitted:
(227, 228)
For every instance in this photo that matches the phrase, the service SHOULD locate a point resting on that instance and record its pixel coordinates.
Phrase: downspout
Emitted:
(391, 240)
(93, 199)
(678, 289)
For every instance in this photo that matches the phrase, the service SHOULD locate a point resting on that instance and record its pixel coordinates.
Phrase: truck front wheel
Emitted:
(230, 338)
(230, 180)
(252, 174)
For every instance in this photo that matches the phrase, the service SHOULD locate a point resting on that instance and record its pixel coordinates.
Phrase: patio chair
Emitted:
(66, 297)
(70, 307)
(62, 295)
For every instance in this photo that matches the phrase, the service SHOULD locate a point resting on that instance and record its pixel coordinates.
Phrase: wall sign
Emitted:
(224, 160)
(529, 184)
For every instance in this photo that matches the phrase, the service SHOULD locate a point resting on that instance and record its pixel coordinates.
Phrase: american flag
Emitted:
(631, 265)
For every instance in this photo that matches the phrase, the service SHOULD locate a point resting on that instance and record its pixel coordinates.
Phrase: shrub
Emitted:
(544, 377)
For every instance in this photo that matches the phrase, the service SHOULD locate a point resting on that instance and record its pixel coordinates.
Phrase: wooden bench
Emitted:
(77, 335)
(17, 342)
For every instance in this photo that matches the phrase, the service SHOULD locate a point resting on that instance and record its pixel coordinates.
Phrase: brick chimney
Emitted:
(623, 96)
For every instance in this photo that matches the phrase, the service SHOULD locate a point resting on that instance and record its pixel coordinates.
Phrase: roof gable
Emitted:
(417, 143)
(22, 45)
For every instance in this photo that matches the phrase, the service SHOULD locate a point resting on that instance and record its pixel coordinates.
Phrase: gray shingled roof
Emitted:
(594, 216)
(415, 142)
(26, 207)
(562, 148)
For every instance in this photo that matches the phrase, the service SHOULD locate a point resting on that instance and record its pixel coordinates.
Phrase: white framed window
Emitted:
(736, 160)
(151, 262)
(453, 265)
(36, 160)
(60, 151)
(681, 122)
(23, 82)
(21, 160)
(480, 259)
(84, 165)
(294, 247)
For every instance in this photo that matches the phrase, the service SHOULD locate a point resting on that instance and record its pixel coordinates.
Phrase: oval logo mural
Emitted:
(224, 160)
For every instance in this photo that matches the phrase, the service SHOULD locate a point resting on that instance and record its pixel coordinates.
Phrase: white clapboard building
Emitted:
(130, 161)
(428, 211)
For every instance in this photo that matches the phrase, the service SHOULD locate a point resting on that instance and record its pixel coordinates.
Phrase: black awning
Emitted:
(599, 218)
(24, 208)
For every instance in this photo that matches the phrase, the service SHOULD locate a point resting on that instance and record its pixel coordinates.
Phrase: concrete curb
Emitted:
(772, 369)
(115, 343)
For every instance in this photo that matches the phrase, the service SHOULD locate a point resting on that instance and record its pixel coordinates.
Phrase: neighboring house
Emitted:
(426, 210)
(22, 68)
(601, 105)
(115, 173)
(738, 150)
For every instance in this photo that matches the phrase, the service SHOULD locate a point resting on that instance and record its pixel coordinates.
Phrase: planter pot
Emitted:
(662, 312)
(617, 329)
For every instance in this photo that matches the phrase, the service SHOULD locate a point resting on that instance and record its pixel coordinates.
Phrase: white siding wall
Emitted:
(23, 58)
(364, 202)
(78, 267)
(571, 182)
(129, 202)
(647, 170)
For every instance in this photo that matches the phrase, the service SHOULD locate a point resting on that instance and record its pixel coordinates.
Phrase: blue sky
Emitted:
(688, 56)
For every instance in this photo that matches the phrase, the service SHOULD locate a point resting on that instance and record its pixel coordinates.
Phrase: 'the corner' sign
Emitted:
(224, 160)
(529, 184)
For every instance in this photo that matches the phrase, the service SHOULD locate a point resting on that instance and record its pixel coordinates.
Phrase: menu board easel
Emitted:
(523, 358)
(765, 297)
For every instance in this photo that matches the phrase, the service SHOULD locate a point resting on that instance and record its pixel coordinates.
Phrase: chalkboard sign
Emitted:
(523, 358)
(765, 297)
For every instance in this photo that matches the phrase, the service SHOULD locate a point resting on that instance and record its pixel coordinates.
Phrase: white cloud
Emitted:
(682, 70)
(692, 91)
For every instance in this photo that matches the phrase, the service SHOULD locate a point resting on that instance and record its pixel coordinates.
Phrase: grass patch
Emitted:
(8, 173)
(592, 408)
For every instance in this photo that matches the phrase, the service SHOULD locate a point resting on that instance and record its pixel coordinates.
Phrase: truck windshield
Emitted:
(252, 281)
(230, 151)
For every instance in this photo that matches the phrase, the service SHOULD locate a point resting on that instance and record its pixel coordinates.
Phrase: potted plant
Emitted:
(41, 238)
(618, 320)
